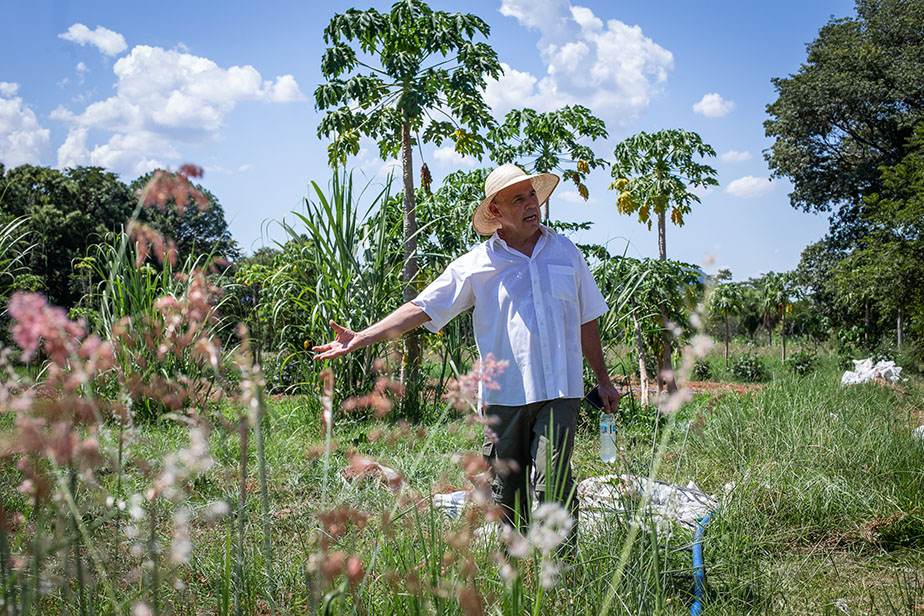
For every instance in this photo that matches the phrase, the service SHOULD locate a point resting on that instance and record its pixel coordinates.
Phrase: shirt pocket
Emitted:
(563, 283)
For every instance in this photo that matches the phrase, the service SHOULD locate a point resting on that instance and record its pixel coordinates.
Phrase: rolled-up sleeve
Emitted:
(447, 296)
(590, 299)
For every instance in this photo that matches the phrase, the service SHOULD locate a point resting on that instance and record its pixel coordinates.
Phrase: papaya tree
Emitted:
(777, 294)
(653, 174)
(409, 76)
(725, 298)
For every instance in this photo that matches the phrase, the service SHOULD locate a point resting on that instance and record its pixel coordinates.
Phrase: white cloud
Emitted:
(517, 89)
(712, 105)
(22, 139)
(109, 42)
(611, 67)
(163, 98)
(448, 157)
(244, 167)
(81, 67)
(734, 156)
(749, 187)
(541, 14)
(73, 152)
(285, 90)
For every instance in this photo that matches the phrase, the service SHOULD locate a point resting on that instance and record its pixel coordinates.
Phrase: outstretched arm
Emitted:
(593, 353)
(402, 320)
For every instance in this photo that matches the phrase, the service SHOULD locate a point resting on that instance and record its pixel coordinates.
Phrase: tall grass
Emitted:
(14, 248)
(350, 276)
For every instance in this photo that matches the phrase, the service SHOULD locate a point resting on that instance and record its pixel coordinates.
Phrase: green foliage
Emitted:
(426, 60)
(802, 363)
(14, 251)
(131, 298)
(546, 138)
(336, 268)
(650, 288)
(702, 370)
(654, 172)
(69, 211)
(849, 109)
(748, 367)
(195, 231)
(66, 212)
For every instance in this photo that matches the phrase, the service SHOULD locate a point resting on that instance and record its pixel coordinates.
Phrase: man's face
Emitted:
(517, 209)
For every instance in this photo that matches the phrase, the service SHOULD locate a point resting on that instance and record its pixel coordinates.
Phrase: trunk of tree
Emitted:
(642, 372)
(545, 209)
(770, 333)
(662, 241)
(411, 366)
(900, 326)
(783, 332)
(725, 314)
(666, 367)
(866, 323)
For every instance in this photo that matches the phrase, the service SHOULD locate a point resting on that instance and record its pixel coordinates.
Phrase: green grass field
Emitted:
(822, 512)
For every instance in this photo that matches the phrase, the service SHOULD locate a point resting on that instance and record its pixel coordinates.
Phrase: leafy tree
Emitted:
(750, 316)
(663, 292)
(653, 173)
(849, 109)
(776, 296)
(67, 211)
(726, 298)
(424, 82)
(195, 231)
(550, 139)
(888, 266)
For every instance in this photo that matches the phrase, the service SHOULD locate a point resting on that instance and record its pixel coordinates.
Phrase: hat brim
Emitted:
(486, 223)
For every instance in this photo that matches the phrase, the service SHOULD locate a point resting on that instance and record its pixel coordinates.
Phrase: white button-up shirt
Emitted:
(528, 311)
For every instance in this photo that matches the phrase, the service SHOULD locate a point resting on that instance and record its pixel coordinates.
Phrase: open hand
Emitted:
(345, 341)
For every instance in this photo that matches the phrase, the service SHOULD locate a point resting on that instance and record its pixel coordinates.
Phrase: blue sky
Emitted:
(229, 86)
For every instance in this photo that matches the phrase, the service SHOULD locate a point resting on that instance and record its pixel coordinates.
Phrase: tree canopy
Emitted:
(654, 172)
(849, 109)
(67, 211)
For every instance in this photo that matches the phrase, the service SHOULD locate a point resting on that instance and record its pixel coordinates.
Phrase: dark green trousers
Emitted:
(532, 449)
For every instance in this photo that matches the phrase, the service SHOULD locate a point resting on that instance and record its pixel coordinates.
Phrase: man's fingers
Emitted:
(336, 328)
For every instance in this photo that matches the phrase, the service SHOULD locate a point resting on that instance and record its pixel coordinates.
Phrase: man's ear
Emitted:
(492, 207)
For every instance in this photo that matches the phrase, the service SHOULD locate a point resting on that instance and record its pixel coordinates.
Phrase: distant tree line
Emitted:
(64, 213)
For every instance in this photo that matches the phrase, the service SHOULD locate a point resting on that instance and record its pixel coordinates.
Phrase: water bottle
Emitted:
(608, 451)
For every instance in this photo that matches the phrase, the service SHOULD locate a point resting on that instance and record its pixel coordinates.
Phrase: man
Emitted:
(535, 307)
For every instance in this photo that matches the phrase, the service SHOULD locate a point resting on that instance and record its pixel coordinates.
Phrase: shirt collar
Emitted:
(496, 242)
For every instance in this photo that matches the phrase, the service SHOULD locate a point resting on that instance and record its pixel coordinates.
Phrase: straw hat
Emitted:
(507, 175)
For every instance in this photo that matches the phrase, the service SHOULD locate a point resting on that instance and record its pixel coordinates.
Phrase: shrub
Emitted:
(802, 362)
(748, 367)
(701, 371)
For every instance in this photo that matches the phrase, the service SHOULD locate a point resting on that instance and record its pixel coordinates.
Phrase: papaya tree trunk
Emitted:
(900, 328)
(662, 239)
(409, 272)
